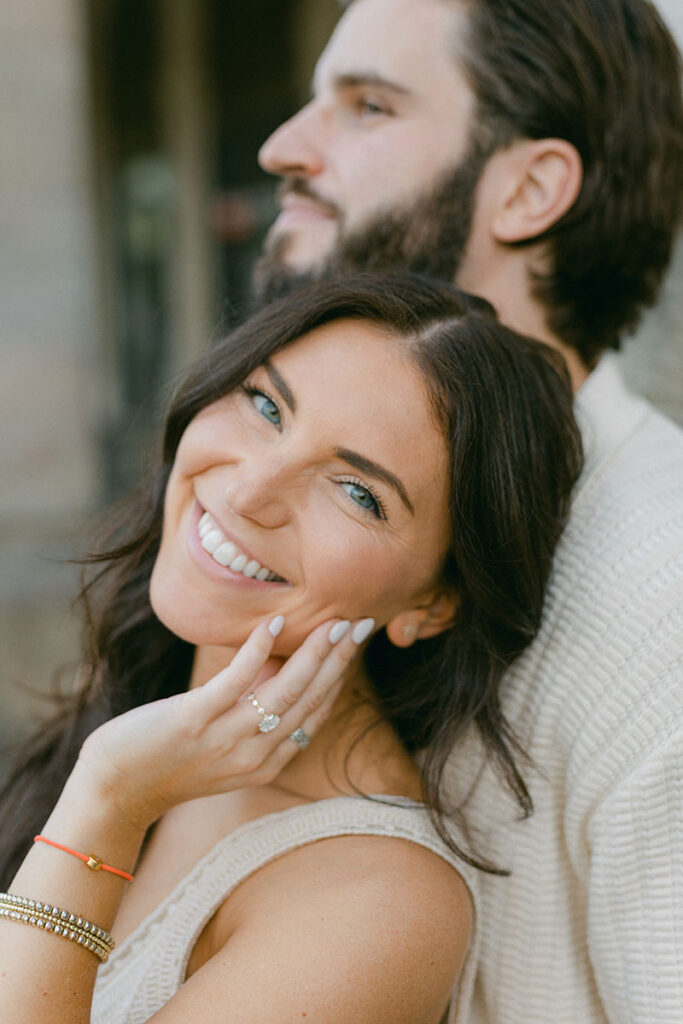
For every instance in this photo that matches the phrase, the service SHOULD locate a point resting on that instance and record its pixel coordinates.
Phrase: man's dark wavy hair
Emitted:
(504, 406)
(604, 75)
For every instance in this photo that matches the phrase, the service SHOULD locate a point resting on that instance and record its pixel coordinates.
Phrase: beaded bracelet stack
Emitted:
(59, 922)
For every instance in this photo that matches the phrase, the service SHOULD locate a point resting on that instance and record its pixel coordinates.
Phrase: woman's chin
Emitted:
(203, 628)
(189, 621)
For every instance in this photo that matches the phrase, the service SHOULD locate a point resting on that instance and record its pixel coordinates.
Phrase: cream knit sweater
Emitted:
(589, 927)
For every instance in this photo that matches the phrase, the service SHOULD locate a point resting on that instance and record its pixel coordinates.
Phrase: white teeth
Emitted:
(225, 553)
(211, 540)
(205, 525)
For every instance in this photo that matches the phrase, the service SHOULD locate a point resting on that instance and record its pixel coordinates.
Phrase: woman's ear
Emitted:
(425, 620)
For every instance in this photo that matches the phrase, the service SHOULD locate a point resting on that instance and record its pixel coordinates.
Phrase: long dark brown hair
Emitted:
(505, 408)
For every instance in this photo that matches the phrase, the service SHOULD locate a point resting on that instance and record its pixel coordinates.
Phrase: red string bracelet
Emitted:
(92, 862)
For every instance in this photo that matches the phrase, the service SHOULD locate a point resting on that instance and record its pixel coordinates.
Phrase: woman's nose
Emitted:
(260, 494)
(294, 147)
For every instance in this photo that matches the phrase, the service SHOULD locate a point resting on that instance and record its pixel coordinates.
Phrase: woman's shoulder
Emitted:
(346, 843)
(346, 905)
(353, 869)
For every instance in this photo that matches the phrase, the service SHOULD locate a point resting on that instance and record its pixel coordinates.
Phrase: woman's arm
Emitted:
(130, 771)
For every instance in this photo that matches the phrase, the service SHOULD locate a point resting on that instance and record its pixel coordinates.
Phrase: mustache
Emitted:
(298, 186)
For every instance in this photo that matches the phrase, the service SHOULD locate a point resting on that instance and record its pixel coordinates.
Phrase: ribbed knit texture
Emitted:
(150, 965)
(589, 927)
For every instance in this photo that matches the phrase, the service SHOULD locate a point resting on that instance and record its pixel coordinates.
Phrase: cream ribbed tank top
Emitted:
(149, 967)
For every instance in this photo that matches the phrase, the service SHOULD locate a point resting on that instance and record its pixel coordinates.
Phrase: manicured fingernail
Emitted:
(275, 626)
(338, 631)
(363, 630)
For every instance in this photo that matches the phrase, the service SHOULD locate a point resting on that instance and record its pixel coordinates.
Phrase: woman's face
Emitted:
(327, 475)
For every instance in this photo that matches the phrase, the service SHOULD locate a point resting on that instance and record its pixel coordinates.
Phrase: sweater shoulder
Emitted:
(608, 658)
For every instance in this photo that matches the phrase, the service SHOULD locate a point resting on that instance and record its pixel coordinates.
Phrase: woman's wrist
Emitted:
(87, 821)
(110, 804)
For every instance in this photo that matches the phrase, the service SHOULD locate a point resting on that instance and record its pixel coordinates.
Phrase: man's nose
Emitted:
(295, 147)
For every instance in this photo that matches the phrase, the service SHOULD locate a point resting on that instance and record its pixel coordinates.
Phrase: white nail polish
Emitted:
(363, 630)
(338, 631)
(276, 624)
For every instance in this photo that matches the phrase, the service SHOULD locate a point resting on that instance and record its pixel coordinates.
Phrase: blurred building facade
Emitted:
(131, 208)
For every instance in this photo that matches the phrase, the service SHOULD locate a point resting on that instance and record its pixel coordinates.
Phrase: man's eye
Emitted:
(266, 406)
(370, 108)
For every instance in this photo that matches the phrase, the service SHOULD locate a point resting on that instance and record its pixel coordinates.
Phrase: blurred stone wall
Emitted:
(48, 375)
(653, 359)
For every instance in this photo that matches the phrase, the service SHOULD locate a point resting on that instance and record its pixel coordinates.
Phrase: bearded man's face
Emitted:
(380, 169)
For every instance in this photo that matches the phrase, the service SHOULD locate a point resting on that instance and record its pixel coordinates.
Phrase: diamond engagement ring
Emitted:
(301, 738)
(268, 722)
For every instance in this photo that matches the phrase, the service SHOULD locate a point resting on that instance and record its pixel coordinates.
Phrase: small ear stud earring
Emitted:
(409, 632)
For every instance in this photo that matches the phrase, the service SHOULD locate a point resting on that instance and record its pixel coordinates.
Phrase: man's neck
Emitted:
(528, 319)
(507, 289)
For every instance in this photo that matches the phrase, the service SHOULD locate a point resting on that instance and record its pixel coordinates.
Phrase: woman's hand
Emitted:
(207, 740)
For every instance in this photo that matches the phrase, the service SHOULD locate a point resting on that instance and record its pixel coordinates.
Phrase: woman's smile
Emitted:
(230, 560)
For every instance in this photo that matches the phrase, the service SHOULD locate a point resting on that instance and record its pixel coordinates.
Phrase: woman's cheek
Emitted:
(366, 581)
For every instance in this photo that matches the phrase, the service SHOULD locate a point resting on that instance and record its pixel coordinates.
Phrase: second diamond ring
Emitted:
(301, 738)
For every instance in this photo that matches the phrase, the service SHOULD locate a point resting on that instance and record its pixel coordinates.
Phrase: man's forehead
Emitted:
(394, 43)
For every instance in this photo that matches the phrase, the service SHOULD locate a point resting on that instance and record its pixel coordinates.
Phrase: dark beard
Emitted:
(427, 236)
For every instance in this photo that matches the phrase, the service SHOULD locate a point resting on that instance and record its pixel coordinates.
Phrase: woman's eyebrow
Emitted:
(364, 465)
(278, 382)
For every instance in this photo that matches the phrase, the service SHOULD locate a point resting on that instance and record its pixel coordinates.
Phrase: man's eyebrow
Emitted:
(364, 465)
(281, 384)
(356, 78)
(360, 79)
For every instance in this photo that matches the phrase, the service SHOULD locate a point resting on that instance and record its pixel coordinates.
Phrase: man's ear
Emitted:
(540, 180)
(425, 620)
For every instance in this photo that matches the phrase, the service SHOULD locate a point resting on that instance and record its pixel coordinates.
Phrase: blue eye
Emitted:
(266, 406)
(363, 497)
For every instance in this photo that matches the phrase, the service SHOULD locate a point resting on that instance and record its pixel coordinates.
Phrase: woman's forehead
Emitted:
(353, 365)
